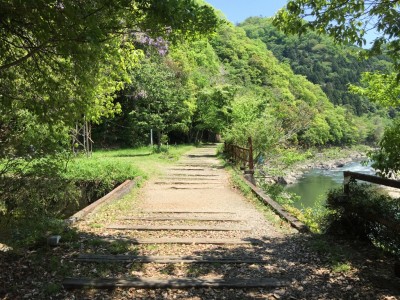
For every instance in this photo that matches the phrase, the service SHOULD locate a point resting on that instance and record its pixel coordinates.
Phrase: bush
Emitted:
(278, 193)
(31, 197)
(362, 215)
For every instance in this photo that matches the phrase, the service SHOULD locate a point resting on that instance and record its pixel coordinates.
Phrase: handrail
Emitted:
(241, 155)
(348, 175)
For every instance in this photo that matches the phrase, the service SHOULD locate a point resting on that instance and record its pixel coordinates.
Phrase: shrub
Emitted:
(362, 215)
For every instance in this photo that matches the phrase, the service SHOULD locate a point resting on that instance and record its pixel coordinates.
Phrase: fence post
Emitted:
(249, 174)
(346, 181)
(251, 161)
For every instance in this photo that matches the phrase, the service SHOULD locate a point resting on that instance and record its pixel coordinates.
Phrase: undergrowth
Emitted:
(34, 207)
(365, 214)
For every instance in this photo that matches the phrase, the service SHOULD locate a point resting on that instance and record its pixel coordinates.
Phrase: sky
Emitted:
(237, 11)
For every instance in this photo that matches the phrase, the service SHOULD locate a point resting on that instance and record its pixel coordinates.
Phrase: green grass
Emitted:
(341, 267)
(122, 164)
(97, 175)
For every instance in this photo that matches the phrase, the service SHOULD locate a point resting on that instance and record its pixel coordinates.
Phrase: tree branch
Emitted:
(21, 59)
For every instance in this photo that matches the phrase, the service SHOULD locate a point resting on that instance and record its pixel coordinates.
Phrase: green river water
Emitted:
(314, 185)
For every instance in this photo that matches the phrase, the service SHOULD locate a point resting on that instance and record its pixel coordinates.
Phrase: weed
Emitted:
(118, 247)
(96, 242)
(134, 250)
(95, 225)
(60, 267)
(105, 269)
(54, 264)
(340, 267)
(337, 255)
(52, 288)
(152, 247)
(69, 235)
(194, 271)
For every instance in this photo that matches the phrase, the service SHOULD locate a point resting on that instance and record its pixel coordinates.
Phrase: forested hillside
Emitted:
(323, 62)
(231, 84)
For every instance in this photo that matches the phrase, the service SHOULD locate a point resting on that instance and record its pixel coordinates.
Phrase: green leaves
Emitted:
(383, 89)
(346, 22)
(387, 158)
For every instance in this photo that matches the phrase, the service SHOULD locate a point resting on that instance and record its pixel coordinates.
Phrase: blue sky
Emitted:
(238, 10)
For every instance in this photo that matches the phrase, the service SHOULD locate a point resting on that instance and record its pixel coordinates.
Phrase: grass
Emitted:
(114, 247)
(341, 267)
(95, 176)
(122, 164)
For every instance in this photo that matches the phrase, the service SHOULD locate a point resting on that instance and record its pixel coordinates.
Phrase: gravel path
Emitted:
(198, 187)
(194, 189)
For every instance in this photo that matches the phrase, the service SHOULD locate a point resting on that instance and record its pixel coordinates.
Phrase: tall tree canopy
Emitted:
(347, 22)
(60, 59)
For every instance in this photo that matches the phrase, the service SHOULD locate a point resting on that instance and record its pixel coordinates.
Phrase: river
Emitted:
(313, 186)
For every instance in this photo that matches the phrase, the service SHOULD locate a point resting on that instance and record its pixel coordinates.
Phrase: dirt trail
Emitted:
(191, 236)
(198, 184)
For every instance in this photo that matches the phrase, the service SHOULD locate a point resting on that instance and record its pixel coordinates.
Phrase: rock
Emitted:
(281, 180)
(339, 164)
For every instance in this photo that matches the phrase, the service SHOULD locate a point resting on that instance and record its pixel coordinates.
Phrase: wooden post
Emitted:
(235, 154)
(249, 174)
(346, 183)
(251, 161)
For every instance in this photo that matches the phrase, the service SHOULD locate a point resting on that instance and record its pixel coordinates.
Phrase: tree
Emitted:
(160, 100)
(62, 60)
(318, 58)
(380, 88)
(385, 90)
(347, 22)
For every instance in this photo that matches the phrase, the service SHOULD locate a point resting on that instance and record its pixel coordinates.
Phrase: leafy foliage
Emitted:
(272, 104)
(347, 22)
(387, 158)
(384, 89)
(360, 215)
(61, 61)
(323, 62)
(381, 88)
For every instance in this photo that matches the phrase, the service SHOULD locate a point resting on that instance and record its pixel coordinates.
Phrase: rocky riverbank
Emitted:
(319, 161)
